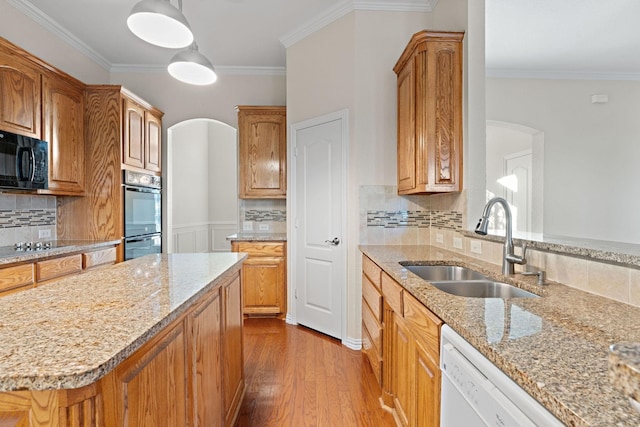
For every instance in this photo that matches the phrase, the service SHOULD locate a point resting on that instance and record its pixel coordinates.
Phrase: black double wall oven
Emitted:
(142, 214)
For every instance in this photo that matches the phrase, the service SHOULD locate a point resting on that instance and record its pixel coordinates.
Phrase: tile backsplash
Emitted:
(437, 220)
(22, 217)
(263, 215)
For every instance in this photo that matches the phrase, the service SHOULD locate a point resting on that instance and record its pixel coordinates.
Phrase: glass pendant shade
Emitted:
(192, 67)
(160, 23)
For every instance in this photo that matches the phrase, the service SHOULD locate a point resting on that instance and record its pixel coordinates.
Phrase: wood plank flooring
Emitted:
(301, 378)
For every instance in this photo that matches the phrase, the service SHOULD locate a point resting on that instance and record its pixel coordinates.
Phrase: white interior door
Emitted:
(320, 251)
(519, 166)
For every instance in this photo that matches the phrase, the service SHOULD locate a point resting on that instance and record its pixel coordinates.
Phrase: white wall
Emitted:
(202, 186)
(591, 151)
(27, 34)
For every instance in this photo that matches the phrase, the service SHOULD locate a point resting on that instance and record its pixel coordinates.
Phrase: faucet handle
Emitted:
(540, 274)
(524, 250)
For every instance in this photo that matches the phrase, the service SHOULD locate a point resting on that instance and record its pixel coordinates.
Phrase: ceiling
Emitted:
(523, 36)
(574, 38)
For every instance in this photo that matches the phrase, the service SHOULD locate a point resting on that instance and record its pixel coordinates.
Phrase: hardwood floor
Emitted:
(299, 377)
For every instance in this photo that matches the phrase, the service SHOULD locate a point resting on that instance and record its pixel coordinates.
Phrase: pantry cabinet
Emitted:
(408, 352)
(263, 277)
(429, 115)
(262, 139)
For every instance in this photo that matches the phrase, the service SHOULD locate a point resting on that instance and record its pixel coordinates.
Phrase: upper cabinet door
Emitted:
(20, 110)
(153, 142)
(263, 152)
(133, 138)
(64, 131)
(430, 113)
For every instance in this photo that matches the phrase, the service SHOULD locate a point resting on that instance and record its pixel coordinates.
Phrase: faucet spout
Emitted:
(509, 257)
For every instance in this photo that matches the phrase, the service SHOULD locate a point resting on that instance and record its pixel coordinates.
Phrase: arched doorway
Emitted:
(202, 186)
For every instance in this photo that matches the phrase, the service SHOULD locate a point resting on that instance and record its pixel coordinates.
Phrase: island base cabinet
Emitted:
(191, 373)
(150, 389)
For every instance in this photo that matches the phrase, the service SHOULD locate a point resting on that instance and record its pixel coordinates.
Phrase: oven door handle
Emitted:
(142, 189)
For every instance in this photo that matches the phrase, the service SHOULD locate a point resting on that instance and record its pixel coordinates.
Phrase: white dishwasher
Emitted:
(474, 391)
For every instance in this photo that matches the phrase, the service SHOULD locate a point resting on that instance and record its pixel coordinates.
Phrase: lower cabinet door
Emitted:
(206, 359)
(427, 394)
(149, 388)
(263, 281)
(403, 370)
(233, 368)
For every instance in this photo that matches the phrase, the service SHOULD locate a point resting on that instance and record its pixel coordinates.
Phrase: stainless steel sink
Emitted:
(482, 289)
(436, 273)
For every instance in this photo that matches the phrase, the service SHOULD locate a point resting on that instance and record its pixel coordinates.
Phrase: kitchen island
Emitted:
(153, 341)
(555, 347)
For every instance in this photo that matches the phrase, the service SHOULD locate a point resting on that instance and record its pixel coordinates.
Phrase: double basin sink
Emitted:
(465, 282)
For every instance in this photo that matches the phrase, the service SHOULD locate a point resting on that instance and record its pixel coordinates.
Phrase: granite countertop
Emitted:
(555, 347)
(259, 237)
(9, 255)
(71, 333)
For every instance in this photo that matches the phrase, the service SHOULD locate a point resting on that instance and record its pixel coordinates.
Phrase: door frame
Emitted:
(292, 258)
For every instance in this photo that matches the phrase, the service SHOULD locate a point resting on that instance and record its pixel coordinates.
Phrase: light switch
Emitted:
(457, 242)
(476, 246)
(439, 238)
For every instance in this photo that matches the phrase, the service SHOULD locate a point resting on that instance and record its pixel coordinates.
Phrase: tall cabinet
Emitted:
(430, 113)
(108, 138)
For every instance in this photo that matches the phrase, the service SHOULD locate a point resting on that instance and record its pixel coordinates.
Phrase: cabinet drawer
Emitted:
(392, 292)
(52, 268)
(259, 249)
(373, 297)
(16, 277)
(372, 271)
(97, 258)
(374, 328)
(424, 324)
(375, 359)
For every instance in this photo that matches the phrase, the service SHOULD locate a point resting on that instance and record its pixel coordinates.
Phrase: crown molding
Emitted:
(220, 70)
(347, 6)
(59, 31)
(503, 73)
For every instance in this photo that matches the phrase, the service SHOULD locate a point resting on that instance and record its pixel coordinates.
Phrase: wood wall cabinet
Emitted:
(63, 114)
(39, 101)
(142, 133)
(409, 356)
(263, 277)
(429, 83)
(262, 152)
(20, 92)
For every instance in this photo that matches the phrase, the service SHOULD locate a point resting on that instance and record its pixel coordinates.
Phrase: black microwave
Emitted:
(24, 162)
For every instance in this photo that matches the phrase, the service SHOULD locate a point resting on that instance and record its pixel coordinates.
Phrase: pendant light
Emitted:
(192, 67)
(160, 23)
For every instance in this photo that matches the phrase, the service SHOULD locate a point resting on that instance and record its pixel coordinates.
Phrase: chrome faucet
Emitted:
(509, 257)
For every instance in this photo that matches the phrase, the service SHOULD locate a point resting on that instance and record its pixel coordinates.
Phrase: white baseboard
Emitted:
(352, 343)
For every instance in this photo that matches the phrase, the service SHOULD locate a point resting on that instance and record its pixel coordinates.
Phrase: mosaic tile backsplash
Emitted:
(450, 220)
(260, 216)
(23, 217)
(263, 215)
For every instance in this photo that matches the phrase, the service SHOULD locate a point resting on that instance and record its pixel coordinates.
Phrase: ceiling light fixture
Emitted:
(192, 67)
(160, 23)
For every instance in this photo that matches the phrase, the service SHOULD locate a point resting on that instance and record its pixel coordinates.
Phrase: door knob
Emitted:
(334, 242)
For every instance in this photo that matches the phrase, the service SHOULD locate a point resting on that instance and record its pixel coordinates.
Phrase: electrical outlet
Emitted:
(264, 227)
(43, 234)
(247, 226)
(439, 238)
(457, 242)
(476, 246)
